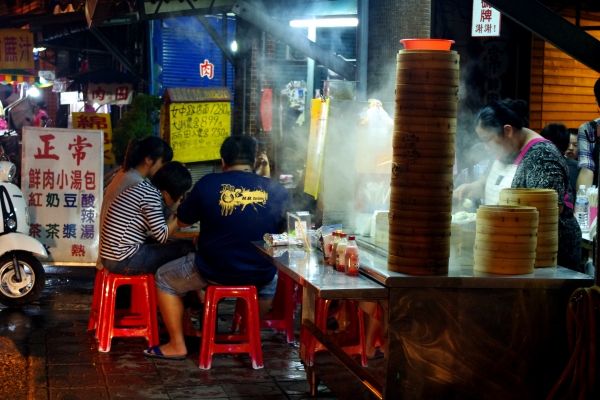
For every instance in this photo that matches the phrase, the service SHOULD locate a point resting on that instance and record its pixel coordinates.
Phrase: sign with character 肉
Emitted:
(62, 183)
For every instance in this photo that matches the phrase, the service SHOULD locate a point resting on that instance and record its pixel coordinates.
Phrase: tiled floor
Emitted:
(46, 352)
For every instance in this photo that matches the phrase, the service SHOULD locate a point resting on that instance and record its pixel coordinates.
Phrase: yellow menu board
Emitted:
(319, 112)
(16, 49)
(197, 130)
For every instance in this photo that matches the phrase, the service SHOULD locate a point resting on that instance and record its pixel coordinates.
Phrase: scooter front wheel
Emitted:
(33, 278)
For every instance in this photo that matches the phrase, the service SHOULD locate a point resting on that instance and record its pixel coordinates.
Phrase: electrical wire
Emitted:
(580, 380)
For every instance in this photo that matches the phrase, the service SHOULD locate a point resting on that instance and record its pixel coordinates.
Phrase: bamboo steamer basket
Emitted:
(424, 112)
(424, 208)
(407, 63)
(506, 247)
(546, 262)
(436, 232)
(411, 180)
(407, 246)
(442, 130)
(428, 55)
(402, 215)
(420, 168)
(418, 252)
(505, 266)
(547, 249)
(407, 198)
(424, 75)
(416, 158)
(420, 224)
(423, 146)
(547, 241)
(405, 78)
(423, 96)
(407, 105)
(546, 234)
(412, 121)
(431, 241)
(401, 190)
(553, 227)
(511, 226)
(418, 266)
(400, 139)
(441, 152)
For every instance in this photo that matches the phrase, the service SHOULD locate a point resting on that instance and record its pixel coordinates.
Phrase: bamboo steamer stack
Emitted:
(505, 239)
(423, 157)
(546, 202)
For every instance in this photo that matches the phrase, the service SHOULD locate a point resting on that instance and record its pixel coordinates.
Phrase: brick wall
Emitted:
(390, 21)
(48, 96)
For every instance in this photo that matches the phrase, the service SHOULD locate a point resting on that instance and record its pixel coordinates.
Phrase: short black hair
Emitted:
(174, 178)
(573, 131)
(152, 146)
(496, 114)
(239, 150)
(557, 134)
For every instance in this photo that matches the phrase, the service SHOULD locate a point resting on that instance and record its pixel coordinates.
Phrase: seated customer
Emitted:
(234, 208)
(137, 211)
(142, 159)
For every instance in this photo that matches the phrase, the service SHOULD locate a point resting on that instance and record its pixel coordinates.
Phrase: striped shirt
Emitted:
(133, 213)
(585, 147)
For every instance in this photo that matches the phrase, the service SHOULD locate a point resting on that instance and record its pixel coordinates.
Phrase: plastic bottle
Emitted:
(582, 209)
(340, 257)
(326, 242)
(333, 247)
(352, 259)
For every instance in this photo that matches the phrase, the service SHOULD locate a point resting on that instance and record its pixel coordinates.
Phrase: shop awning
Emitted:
(8, 77)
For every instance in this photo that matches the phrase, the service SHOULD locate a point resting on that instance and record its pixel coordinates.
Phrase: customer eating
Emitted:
(234, 208)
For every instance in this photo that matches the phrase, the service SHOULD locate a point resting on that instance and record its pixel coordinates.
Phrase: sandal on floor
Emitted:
(154, 352)
(378, 354)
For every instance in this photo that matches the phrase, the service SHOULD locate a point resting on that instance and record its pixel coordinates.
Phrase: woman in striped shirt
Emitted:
(137, 211)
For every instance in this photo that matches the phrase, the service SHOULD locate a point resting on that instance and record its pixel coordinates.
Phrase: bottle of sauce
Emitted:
(327, 242)
(340, 258)
(333, 248)
(352, 259)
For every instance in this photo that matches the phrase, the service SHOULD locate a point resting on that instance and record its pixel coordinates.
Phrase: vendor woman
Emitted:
(524, 160)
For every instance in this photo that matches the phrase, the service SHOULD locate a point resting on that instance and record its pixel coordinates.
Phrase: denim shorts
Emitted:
(181, 276)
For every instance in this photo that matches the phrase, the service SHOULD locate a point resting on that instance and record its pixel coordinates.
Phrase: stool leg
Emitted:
(253, 329)
(208, 328)
(290, 308)
(153, 304)
(95, 309)
(107, 316)
(361, 333)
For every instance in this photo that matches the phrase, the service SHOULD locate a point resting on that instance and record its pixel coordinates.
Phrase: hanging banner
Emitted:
(16, 49)
(62, 181)
(319, 112)
(486, 20)
(109, 93)
(97, 122)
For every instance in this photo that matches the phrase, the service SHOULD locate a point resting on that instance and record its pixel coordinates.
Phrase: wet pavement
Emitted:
(46, 352)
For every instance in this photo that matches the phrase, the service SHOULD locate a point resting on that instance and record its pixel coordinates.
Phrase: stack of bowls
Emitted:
(546, 202)
(505, 239)
(423, 157)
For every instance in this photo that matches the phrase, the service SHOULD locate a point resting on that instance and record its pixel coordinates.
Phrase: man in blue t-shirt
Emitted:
(234, 208)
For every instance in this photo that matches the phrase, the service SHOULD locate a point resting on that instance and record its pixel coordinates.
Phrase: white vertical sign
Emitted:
(62, 183)
(486, 20)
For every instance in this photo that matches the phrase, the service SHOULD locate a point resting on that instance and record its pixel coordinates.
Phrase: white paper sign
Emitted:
(486, 20)
(62, 181)
(114, 93)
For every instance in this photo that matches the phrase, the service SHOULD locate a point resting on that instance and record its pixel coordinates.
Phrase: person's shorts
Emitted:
(181, 276)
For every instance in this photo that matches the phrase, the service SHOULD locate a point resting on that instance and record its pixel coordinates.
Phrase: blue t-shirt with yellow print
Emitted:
(235, 208)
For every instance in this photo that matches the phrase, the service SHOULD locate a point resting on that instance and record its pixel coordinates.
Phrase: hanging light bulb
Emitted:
(32, 91)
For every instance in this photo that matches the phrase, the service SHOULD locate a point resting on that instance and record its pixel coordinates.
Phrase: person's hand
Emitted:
(464, 191)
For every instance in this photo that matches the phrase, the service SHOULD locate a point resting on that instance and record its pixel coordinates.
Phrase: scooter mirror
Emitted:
(7, 171)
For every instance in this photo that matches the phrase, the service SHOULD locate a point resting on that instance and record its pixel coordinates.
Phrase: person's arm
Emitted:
(585, 177)
(585, 158)
(471, 190)
(153, 213)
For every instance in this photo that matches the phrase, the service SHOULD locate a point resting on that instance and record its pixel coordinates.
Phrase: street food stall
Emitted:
(454, 325)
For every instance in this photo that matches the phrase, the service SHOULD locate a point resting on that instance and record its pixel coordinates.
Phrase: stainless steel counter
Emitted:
(373, 263)
(308, 269)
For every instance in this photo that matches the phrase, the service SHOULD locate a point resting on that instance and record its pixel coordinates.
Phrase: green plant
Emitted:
(138, 122)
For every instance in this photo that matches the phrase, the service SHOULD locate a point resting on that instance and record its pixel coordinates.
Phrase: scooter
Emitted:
(22, 275)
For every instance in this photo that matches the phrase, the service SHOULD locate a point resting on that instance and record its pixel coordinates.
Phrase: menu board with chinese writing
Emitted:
(319, 112)
(97, 121)
(62, 183)
(197, 130)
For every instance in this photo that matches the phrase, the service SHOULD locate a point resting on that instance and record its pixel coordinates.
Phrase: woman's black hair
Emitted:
(239, 150)
(41, 104)
(496, 114)
(174, 178)
(152, 146)
(557, 134)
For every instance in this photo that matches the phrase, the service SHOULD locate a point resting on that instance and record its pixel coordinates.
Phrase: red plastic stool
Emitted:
(143, 299)
(313, 345)
(247, 341)
(281, 317)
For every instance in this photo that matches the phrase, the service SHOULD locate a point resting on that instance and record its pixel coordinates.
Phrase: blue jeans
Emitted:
(181, 276)
(149, 257)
